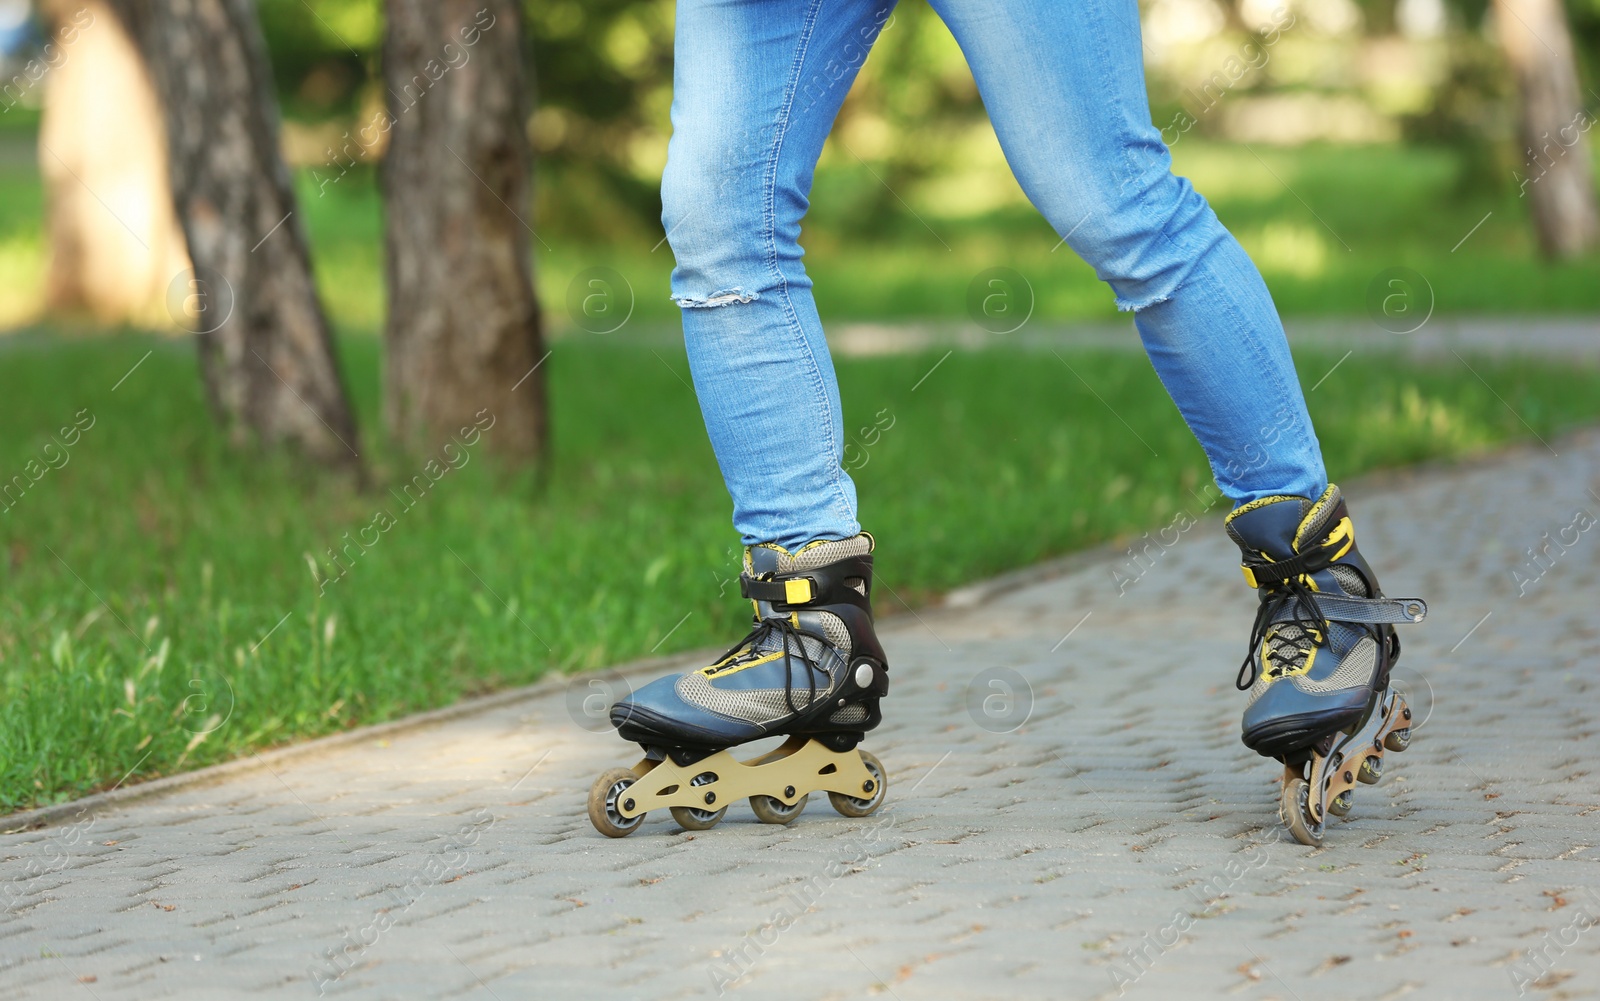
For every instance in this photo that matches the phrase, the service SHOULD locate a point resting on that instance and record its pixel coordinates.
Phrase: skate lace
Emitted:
(1293, 647)
(752, 646)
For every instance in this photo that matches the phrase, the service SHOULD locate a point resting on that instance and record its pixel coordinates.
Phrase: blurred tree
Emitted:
(463, 332)
(324, 54)
(265, 350)
(1377, 16)
(604, 71)
(114, 241)
(1559, 185)
(1470, 111)
(1585, 16)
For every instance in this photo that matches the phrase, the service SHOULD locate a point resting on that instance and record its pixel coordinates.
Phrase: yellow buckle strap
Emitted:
(1249, 576)
(1342, 532)
(797, 591)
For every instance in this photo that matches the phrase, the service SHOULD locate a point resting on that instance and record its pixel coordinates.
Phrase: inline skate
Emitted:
(810, 669)
(1319, 657)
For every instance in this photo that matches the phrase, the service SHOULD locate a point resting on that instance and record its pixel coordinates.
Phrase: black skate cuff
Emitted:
(1260, 574)
(843, 582)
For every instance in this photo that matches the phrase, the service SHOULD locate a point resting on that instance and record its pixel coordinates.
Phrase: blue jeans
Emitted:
(757, 84)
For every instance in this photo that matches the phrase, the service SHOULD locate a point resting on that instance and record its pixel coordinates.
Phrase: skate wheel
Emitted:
(1371, 770)
(604, 797)
(1294, 809)
(1341, 804)
(1398, 740)
(693, 819)
(772, 810)
(854, 806)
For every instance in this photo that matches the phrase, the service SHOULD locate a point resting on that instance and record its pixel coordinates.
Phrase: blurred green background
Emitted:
(1375, 134)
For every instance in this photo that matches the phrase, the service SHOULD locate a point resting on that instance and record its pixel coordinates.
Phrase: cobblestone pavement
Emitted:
(1122, 841)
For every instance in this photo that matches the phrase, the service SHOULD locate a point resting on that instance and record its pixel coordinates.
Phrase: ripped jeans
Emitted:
(757, 84)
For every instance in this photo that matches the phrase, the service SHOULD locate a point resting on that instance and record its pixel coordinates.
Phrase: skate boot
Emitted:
(811, 669)
(1319, 657)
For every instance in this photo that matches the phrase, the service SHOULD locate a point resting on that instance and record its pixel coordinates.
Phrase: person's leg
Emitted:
(756, 87)
(757, 84)
(1064, 88)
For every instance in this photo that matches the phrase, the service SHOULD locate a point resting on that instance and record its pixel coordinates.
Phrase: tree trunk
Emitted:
(1559, 186)
(114, 240)
(265, 351)
(463, 332)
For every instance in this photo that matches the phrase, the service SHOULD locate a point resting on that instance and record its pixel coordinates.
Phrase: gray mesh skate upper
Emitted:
(830, 650)
(855, 712)
(1350, 580)
(758, 705)
(775, 559)
(1354, 671)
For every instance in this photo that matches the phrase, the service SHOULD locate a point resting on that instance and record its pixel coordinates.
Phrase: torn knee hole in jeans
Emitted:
(726, 297)
(1133, 306)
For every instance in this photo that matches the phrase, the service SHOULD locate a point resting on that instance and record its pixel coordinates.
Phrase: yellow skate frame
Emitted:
(1369, 742)
(788, 773)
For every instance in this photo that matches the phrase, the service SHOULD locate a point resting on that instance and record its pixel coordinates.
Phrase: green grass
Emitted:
(157, 565)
